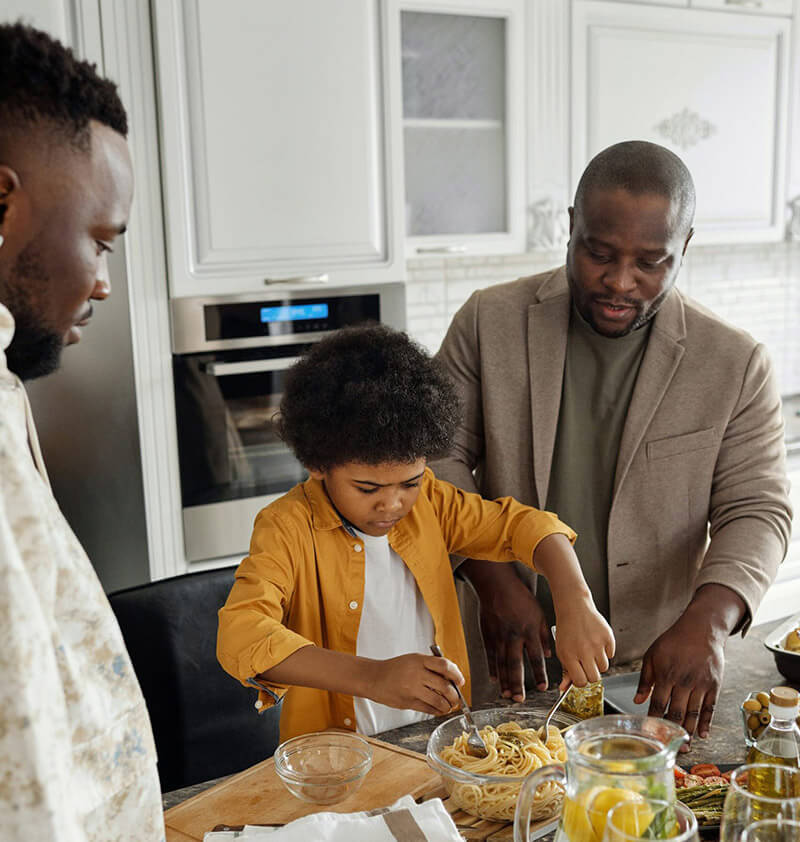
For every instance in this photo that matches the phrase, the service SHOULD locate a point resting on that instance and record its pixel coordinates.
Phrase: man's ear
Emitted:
(571, 212)
(686, 243)
(9, 198)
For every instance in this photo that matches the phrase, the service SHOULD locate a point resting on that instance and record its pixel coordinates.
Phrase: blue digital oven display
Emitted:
(294, 313)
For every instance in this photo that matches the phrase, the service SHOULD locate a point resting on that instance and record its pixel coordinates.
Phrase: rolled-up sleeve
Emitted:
(252, 637)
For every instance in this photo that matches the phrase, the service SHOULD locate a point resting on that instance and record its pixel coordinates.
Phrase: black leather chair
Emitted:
(204, 722)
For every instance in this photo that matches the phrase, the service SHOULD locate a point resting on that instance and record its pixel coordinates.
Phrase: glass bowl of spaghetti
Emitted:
(488, 787)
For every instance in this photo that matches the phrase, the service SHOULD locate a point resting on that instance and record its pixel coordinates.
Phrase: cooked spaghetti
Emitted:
(513, 752)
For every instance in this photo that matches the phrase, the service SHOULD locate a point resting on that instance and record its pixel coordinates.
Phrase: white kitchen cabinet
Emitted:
(756, 7)
(275, 122)
(712, 87)
(462, 115)
(75, 23)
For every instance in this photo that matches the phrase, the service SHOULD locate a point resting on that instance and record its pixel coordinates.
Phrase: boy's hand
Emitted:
(415, 682)
(584, 642)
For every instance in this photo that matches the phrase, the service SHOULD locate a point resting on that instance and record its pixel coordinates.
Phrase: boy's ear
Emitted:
(315, 474)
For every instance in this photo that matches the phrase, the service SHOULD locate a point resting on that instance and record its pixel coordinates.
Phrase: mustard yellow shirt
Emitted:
(303, 582)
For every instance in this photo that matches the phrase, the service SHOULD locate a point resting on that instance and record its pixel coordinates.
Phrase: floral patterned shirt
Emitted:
(77, 758)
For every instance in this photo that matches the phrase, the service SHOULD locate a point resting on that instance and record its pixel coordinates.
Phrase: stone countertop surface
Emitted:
(749, 666)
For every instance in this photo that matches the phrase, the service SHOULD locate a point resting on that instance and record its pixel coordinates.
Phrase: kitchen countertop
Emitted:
(749, 666)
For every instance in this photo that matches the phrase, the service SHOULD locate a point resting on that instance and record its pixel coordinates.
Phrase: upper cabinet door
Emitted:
(274, 120)
(712, 87)
(461, 76)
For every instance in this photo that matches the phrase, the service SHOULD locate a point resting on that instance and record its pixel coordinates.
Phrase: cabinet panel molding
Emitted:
(274, 142)
(548, 147)
(637, 74)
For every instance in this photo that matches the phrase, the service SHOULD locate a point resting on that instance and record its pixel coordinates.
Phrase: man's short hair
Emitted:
(640, 168)
(368, 394)
(42, 83)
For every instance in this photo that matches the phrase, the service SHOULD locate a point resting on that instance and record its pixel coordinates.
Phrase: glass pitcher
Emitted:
(609, 759)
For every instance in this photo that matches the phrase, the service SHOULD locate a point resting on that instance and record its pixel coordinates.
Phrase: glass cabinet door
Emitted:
(458, 120)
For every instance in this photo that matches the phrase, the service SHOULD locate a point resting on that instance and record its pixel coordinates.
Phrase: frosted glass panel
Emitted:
(455, 181)
(454, 110)
(453, 66)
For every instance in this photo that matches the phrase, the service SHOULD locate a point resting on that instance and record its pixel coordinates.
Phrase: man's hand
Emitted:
(682, 670)
(512, 621)
(415, 682)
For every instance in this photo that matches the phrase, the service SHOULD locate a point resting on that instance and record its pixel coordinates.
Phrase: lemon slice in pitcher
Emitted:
(632, 819)
(575, 822)
(609, 797)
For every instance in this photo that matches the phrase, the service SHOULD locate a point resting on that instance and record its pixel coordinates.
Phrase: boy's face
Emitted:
(373, 497)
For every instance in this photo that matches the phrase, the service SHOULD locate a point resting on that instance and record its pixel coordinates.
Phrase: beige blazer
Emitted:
(700, 492)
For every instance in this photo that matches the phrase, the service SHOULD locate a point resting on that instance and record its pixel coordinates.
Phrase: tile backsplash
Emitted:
(753, 286)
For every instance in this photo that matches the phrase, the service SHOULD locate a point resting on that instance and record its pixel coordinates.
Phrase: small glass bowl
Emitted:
(466, 788)
(324, 767)
(749, 739)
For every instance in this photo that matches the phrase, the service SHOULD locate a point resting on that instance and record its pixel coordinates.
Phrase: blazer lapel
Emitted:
(661, 359)
(548, 322)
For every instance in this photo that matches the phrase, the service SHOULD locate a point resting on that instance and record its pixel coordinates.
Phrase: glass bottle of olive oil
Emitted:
(778, 743)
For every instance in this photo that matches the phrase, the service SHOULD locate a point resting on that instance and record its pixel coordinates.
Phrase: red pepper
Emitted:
(705, 770)
(727, 775)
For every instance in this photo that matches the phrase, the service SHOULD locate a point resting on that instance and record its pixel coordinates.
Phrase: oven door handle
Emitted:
(249, 366)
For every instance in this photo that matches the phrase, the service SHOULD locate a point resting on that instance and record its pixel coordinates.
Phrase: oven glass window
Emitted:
(227, 442)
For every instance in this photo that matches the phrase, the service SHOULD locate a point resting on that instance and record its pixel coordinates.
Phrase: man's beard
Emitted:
(34, 350)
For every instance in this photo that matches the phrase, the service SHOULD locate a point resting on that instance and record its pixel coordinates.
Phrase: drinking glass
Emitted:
(654, 818)
(759, 791)
(772, 830)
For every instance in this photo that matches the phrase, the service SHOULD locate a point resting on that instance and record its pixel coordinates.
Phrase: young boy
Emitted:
(348, 580)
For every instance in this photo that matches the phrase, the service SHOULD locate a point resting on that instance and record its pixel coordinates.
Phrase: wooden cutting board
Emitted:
(257, 796)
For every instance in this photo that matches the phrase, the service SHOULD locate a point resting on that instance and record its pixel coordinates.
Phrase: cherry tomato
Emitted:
(705, 770)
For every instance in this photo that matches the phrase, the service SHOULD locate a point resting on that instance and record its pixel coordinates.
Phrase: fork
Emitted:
(475, 744)
(555, 706)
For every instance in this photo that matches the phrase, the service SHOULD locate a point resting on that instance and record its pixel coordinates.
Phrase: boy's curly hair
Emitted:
(42, 82)
(367, 394)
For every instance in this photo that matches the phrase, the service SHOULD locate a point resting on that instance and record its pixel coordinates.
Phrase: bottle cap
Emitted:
(784, 697)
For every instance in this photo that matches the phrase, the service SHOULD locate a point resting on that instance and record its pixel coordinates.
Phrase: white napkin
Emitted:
(404, 821)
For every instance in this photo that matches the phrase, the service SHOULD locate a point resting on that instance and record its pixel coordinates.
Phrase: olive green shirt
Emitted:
(599, 376)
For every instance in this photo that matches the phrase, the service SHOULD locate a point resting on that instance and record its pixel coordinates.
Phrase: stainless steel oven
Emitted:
(230, 355)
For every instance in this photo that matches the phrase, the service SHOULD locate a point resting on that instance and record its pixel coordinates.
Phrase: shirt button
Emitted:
(353, 605)
(357, 547)
(348, 721)
(259, 704)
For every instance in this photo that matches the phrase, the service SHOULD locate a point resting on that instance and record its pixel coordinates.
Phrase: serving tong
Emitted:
(475, 744)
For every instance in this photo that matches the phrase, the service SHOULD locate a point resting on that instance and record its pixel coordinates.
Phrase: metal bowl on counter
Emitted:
(787, 661)
(488, 796)
(324, 767)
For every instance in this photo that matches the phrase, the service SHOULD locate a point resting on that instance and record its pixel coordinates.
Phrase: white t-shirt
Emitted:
(394, 621)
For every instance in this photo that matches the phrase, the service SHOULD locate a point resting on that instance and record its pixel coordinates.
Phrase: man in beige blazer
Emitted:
(600, 391)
